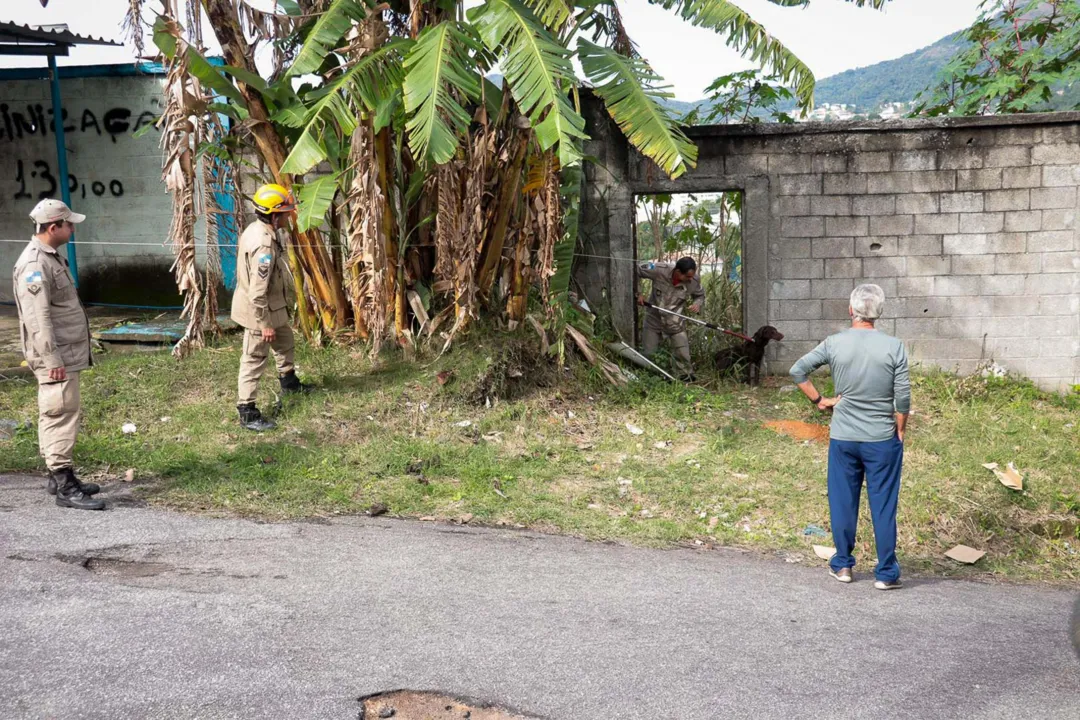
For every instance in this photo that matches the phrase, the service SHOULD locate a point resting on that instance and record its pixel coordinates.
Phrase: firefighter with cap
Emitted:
(56, 344)
(260, 303)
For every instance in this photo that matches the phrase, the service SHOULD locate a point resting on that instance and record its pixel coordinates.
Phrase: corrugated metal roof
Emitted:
(13, 34)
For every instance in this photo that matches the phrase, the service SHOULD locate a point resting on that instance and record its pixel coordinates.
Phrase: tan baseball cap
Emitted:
(50, 211)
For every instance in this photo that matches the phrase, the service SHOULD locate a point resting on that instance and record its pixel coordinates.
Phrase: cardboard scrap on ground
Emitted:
(965, 554)
(824, 552)
(1010, 477)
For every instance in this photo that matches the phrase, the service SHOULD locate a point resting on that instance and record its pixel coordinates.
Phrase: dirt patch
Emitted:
(800, 430)
(412, 705)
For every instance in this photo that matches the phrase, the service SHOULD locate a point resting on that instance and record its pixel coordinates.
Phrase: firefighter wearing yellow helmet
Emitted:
(260, 303)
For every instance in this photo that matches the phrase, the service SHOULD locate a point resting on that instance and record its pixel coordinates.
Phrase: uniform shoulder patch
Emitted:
(266, 260)
(33, 280)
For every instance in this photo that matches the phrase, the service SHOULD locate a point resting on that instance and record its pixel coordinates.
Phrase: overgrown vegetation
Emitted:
(512, 440)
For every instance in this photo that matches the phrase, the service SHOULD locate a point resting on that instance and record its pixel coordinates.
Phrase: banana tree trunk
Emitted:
(509, 195)
(312, 256)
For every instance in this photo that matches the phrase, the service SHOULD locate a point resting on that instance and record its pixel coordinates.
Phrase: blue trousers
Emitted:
(880, 463)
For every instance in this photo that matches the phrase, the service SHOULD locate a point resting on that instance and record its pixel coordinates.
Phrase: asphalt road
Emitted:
(136, 613)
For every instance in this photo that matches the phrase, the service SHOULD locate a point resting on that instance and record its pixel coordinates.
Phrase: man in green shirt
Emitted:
(870, 412)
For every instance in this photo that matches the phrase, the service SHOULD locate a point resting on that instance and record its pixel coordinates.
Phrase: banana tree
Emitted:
(452, 192)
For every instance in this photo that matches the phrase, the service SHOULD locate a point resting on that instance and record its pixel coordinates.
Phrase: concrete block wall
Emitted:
(970, 226)
(115, 181)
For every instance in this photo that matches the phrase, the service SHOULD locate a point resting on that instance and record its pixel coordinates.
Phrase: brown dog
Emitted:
(746, 358)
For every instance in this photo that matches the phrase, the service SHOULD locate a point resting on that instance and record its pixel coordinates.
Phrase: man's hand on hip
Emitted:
(268, 334)
(695, 308)
(58, 374)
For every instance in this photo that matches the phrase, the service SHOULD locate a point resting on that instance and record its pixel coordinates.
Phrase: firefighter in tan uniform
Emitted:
(260, 303)
(672, 286)
(56, 345)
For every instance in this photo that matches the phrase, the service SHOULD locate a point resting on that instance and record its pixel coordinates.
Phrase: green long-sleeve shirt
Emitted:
(870, 372)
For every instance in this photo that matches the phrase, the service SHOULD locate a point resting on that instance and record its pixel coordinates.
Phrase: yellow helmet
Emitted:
(273, 198)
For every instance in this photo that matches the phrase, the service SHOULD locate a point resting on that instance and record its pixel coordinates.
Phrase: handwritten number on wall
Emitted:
(43, 171)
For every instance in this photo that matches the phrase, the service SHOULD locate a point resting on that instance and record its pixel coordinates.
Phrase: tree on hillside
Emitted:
(1016, 58)
(427, 193)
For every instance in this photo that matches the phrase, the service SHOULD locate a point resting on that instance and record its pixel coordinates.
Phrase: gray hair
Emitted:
(867, 302)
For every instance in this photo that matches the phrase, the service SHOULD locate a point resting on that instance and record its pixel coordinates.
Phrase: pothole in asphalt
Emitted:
(414, 705)
(115, 567)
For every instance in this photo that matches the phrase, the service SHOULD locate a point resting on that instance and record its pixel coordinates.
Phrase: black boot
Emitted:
(69, 493)
(290, 384)
(252, 419)
(87, 488)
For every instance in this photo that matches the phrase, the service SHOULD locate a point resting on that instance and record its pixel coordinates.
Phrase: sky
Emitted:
(829, 35)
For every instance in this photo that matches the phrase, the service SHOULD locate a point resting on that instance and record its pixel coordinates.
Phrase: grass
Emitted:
(511, 440)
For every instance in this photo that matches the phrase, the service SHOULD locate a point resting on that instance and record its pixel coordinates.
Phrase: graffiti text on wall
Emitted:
(40, 169)
(38, 121)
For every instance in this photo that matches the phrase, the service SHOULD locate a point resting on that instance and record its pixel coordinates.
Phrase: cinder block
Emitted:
(873, 205)
(914, 286)
(989, 222)
(1048, 198)
(884, 267)
(1059, 347)
(1051, 368)
(889, 183)
(936, 181)
(790, 164)
(1020, 306)
(796, 205)
(1055, 154)
(1059, 219)
(917, 204)
(942, 224)
(843, 268)
(920, 244)
(974, 244)
(1061, 134)
(1060, 262)
(969, 327)
(1018, 135)
(821, 329)
(927, 265)
(1052, 241)
(876, 246)
(1007, 327)
(962, 202)
(914, 328)
(790, 290)
(888, 286)
(1021, 177)
(950, 352)
(1007, 242)
(833, 248)
(836, 309)
(804, 310)
(1061, 175)
(914, 160)
(747, 165)
(871, 162)
(791, 248)
(892, 225)
(797, 330)
(845, 184)
(800, 184)
(973, 265)
(1023, 220)
(1008, 200)
(802, 269)
(950, 285)
(802, 227)
(1019, 264)
(961, 159)
(830, 205)
(830, 163)
(833, 288)
(846, 226)
(1065, 326)
(1059, 305)
(1015, 156)
(973, 306)
(1058, 284)
(1002, 284)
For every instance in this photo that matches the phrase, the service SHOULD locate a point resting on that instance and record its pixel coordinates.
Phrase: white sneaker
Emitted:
(882, 585)
(843, 575)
